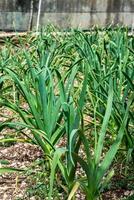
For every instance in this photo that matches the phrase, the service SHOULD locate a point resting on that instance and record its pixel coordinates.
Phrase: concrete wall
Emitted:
(15, 14)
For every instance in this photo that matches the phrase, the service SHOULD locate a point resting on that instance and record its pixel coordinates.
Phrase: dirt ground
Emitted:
(11, 34)
(13, 186)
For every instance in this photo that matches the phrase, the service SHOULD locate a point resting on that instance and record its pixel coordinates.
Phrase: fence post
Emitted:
(38, 17)
(31, 16)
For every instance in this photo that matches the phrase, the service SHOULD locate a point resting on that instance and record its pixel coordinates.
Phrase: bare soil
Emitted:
(13, 186)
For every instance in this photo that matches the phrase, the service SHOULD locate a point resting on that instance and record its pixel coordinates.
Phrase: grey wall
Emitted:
(15, 14)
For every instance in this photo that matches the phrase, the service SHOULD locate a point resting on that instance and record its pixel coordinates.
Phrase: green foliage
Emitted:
(55, 84)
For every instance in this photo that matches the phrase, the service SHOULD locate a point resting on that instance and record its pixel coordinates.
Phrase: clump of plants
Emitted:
(75, 88)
